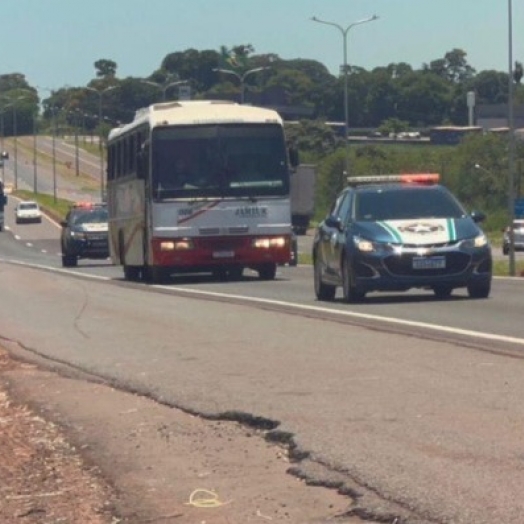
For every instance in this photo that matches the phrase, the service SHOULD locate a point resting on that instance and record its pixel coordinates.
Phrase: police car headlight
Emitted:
(478, 241)
(364, 245)
(367, 246)
(267, 243)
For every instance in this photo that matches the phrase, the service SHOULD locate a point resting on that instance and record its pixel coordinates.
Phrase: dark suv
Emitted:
(84, 234)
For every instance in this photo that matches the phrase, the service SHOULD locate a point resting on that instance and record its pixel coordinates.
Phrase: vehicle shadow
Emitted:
(410, 298)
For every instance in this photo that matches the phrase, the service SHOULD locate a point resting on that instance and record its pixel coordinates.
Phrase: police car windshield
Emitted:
(406, 203)
(90, 216)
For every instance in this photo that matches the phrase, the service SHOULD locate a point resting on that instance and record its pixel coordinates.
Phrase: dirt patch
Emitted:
(77, 452)
(42, 477)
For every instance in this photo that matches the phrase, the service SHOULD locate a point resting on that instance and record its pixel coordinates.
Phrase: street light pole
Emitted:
(100, 93)
(241, 78)
(53, 109)
(2, 137)
(344, 32)
(165, 87)
(35, 168)
(15, 133)
(511, 123)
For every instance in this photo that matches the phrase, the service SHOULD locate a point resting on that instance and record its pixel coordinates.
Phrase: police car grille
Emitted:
(97, 237)
(430, 246)
(403, 265)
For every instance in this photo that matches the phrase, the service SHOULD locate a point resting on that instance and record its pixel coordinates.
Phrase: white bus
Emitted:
(199, 186)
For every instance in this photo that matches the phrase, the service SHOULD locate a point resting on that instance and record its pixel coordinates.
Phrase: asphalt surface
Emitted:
(413, 403)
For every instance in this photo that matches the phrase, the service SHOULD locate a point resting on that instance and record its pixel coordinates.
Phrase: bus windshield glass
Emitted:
(226, 160)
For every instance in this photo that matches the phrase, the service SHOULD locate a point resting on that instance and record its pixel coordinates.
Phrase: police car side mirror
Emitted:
(477, 216)
(333, 221)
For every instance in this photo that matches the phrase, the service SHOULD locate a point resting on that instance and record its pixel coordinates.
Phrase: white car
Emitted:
(28, 211)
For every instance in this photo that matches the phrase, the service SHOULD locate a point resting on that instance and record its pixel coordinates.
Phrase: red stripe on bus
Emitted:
(200, 212)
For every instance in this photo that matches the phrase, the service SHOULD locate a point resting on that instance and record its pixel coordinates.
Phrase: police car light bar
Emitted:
(405, 178)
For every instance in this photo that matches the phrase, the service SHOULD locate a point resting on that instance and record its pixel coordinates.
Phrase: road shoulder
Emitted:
(130, 459)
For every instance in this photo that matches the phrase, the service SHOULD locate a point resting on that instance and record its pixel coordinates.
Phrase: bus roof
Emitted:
(197, 112)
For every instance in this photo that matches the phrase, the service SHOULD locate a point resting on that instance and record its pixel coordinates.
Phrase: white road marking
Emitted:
(303, 307)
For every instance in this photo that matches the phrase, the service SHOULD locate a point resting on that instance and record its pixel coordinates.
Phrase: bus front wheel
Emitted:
(156, 274)
(267, 271)
(132, 272)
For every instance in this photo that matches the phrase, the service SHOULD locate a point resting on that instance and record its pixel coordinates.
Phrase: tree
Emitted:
(194, 66)
(491, 87)
(381, 98)
(105, 68)
(313, 138)
(424, 98)
(453, 67)
(393, 125)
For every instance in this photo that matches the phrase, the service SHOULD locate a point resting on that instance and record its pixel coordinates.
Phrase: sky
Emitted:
(55, 43)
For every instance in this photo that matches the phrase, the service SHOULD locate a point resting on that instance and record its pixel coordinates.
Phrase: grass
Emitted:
(57, 209)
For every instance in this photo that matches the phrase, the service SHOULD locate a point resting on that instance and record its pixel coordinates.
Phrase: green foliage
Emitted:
(482, 188)
(312, 137)
(105, 68)
(393, 125)
(479, 171)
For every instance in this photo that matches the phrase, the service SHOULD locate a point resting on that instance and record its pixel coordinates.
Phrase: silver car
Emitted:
(518, 237)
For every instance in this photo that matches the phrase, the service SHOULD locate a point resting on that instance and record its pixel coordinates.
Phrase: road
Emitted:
(411, 402)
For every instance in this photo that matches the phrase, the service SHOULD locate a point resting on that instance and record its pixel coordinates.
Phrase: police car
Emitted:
(397, 232)
(85, 233)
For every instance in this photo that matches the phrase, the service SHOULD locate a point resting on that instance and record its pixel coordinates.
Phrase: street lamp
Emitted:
(2, 137)
(346, 110)
(100, 93)
(511, 124)
(35, 168)
(164, 87)
(53, 124)
(241, 78)
(15, 133)
(482, 168)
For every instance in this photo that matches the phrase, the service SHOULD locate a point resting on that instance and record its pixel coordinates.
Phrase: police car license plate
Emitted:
(429, 262)
(223, 254)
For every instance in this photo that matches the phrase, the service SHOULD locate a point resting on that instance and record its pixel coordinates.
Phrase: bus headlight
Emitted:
(182, 244)
(267, 243)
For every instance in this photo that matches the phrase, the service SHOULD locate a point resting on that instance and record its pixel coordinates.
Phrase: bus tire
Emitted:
(69, 261)
(267, 271)
(121, 249)
(220, 273)
(235, 273)
(156, 274)
(132, 273)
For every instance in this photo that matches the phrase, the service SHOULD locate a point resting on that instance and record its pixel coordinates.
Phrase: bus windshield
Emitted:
(219, 160)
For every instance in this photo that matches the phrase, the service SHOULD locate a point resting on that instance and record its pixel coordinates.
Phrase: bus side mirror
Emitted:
(142, 160)
(293, 156)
